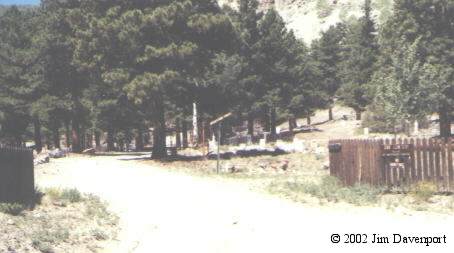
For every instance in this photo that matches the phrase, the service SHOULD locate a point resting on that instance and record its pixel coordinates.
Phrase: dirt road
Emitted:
(163, 211)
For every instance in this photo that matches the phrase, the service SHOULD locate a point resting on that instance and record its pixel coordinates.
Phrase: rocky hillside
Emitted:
(308, 17)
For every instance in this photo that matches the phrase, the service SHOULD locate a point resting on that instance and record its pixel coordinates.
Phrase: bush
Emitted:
(97, 210)
(331, 189)
(99, 234)
(423, 191)
(70, 195)
(43, 239)
(44, 247)
(12, 208)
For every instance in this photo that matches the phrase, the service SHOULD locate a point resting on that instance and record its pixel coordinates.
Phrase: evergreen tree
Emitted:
(19, 74)
(280, 60)
(66, 81)
(154, 50)
(361, 52)
(327, 56)
(247, 21)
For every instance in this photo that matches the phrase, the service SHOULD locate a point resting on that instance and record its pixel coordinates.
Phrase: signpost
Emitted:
(397, 156)
(219, 122)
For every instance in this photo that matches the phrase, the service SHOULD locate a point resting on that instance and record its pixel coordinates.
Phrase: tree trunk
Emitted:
(206, 132)
(445, 122)
(330, 113)
(358, 114)
(146, 137)
(178, 133)
(37, 135)
(89, 140)
(76, 147)
(97, 139)
(56, 137)
(295, 124)
(159, 133)
(292, 124)
(18, 141)
(223, 139)
(184, 129)
(67, 134)
(83, 138)
(121, 144)
(273, 122)
(308, 119)
(49, 142)
(250, 125)
(266, 119)
(110, 140)
(139, 140)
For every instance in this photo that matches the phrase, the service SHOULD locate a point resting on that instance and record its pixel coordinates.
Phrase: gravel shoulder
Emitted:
(168, 211)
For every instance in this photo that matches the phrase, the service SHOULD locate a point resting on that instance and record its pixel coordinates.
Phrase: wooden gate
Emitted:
(393, 162)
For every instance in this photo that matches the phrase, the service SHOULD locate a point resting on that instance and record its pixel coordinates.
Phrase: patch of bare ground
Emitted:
(304, 178)
(64, 221)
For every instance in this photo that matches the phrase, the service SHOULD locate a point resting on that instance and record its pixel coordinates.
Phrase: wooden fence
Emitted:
(16, 175)
(393, 162)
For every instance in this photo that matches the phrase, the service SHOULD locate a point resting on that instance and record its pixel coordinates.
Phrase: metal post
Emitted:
(219, 144)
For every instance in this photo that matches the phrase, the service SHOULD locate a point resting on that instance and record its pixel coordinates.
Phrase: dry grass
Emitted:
(61, 223)
(305, 180)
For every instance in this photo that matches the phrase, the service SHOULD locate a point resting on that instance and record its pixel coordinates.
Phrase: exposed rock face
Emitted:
(308, 18)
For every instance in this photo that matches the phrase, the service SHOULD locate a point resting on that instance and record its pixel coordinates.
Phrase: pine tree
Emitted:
(281, 61)
(248, 19)
(361, 52)
(327, 56)
(19, 74)
(153, 50)
(66, 81)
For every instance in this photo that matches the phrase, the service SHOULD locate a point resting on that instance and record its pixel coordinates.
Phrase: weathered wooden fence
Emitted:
(16, 175)
(393, 162)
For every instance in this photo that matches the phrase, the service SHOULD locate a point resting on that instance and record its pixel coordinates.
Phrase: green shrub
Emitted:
(96, 209)
(44, 247)
(423, 191)
(99, 235)
(53, 193)
(12, 208)
(331, 189)
(43, 238)
(360, 194)
(70, 195)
